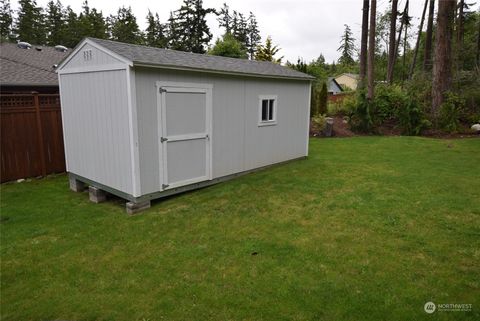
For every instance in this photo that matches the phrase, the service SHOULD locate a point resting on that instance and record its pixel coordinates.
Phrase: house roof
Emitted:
(28, 67)
(354, 76)
(158, 57)
(333, 85)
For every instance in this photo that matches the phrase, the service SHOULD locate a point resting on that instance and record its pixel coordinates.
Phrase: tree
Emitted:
(5, 19)
(253, 35)
(392, 45)
(371, 51)
(442, 67)
(229, 46)
(154, 34)
(322, 99)
(427, 59)
(55, 23)
(224, 19)
(417, 45)
(268, 51)
(29, 22)
(124, 26)
(72, 35)
(347, 47)
(191, 26)
(364, 43)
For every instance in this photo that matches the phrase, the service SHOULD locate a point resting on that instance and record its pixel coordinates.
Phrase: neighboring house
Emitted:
(333, 86)
(26, 70)
(348, 81)
(144, 123)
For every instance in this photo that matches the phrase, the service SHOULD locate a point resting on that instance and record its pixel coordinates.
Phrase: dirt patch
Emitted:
(341, 128)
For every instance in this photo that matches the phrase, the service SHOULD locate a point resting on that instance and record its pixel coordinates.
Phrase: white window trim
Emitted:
(275, 110)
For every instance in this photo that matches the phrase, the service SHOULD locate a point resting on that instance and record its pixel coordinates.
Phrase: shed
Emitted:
(142, 123)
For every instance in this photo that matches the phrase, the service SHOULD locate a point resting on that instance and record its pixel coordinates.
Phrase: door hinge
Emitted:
(164, 186)
(163, 139)
(162, 90)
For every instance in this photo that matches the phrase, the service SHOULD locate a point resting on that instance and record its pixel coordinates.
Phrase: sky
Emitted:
(301, 28)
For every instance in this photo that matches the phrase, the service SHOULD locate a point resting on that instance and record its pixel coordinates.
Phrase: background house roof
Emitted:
(185, 60)
(333, 85)
(28, 67)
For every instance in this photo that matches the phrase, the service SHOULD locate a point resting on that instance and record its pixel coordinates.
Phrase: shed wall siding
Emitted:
(96, 127)
(238, 143)
(98, 58)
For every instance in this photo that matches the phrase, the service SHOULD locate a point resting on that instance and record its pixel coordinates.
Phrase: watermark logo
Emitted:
(429, 307)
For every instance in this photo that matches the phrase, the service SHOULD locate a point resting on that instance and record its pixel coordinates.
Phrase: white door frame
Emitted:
(162, 87)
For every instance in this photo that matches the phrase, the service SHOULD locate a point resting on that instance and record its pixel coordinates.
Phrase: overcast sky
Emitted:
(302, 28)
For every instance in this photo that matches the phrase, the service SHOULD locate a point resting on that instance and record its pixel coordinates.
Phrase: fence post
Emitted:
(36, 101)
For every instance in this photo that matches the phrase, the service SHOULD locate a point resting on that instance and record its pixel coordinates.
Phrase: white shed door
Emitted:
(185, 136)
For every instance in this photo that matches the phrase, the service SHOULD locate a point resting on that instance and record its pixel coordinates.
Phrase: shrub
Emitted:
(450, 111)
(342, 107)
(361, 118)
(389, 101)
(322, 99)
(318, 124)
(411, 118)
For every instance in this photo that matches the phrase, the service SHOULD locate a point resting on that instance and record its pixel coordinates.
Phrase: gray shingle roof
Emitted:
(199, 62)
(28, 67)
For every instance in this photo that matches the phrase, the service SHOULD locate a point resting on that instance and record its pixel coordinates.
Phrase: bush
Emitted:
(361, 118)
(318, 124)
(412, 119)
(450, 111)
(389, 101)
(343, 107)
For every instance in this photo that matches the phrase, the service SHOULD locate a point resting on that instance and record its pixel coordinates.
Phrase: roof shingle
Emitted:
(185, 60)
(28, 67)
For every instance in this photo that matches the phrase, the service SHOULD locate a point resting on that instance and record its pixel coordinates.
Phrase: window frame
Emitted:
(261, 98)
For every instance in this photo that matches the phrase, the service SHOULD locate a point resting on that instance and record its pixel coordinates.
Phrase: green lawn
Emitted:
(365, 228)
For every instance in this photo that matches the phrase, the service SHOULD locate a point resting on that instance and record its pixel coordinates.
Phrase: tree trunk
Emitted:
(397, 44)
(478, 46)
(391, 45)
(442, 66)
(404, 58)
(460, 23)
(427, 59)
(364, 42)
(371, 50)
(417, 45)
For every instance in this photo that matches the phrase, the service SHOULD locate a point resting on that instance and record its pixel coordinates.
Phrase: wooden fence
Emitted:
(31, 136)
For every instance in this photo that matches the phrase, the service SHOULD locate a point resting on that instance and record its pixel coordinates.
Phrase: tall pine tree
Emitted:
(5, 19)
(29, 24)
(154, 34)
(347, 47)
(124, 27)
(55, 25)
(268, 51)
(253, 35)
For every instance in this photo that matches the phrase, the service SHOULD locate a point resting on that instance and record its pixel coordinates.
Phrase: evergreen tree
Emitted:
(5, 19)
(347, 47)
(191, 26)
(229, 46)
(175, 34)
(253, 35)
(29, 22)
(72, 35)
(241, 31)
(323, 97)
(268, 51)
(124, 27)
(224, 19)
(55, 23)
(154, 34)
(91, 23)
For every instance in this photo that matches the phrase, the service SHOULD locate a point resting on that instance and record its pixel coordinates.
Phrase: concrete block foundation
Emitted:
(96, 195)
(134, 208)
(76, 185)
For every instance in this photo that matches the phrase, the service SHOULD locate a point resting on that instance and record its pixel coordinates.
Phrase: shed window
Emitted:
(268, 110)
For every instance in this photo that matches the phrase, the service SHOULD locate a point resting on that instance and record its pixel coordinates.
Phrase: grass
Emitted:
(366, 228)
